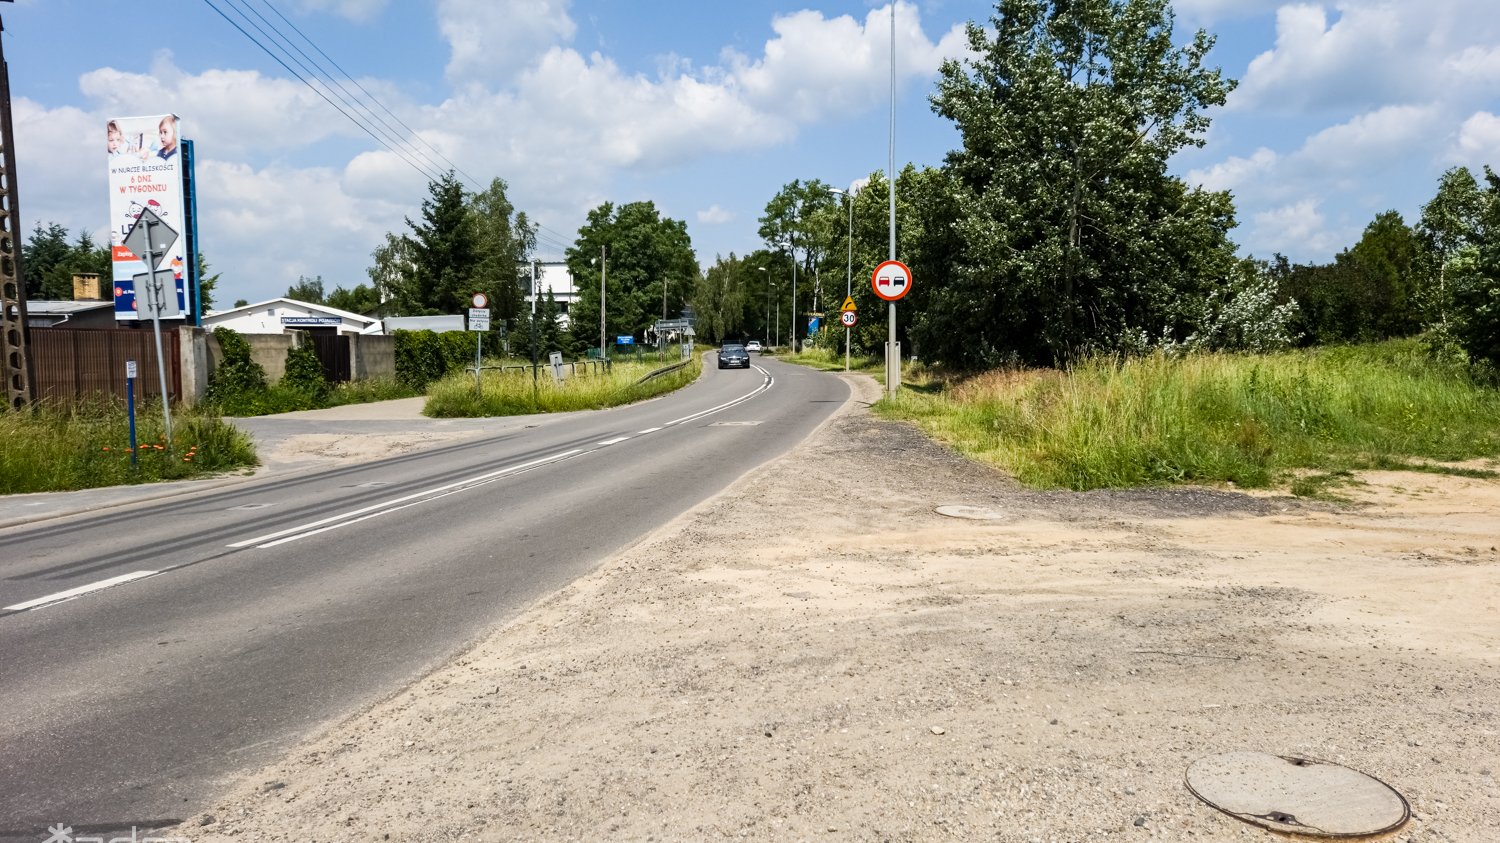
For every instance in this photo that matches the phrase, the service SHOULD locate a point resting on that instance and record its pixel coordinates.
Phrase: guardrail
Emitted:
(590, 367)
(662, 371)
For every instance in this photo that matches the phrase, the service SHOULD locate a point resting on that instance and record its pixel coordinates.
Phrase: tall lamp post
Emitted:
(849, 280)
(770, 337)
(603, 271)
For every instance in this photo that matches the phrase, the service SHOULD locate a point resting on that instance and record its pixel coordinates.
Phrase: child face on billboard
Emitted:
(167, 132)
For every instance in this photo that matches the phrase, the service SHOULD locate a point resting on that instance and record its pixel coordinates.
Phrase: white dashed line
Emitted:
(615, 441)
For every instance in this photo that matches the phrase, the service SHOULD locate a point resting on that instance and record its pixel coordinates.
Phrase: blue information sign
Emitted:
(624, 340)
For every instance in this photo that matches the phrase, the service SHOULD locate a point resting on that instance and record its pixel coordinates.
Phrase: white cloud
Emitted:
(1371, 52)
(817, 66)
(1299, 224)
(1206, 12)
(1479, 140)
(492, 40)
(715, 215)
(1370, 141)
(1234, 172)
(355, 10)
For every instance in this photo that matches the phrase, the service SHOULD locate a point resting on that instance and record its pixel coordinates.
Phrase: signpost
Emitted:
(847, 315)
(130, 405)
(479, 322)
(151, 247)
(891, 281)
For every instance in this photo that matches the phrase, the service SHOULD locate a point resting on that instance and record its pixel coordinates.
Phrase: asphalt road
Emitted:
(232, 622)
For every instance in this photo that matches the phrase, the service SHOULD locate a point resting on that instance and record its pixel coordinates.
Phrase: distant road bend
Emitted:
(149, 654)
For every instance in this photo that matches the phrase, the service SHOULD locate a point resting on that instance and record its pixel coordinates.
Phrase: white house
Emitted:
(554, 276)
(276, 316)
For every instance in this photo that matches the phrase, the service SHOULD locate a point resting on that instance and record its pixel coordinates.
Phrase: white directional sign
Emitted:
(479, 318)
(849, 318)
(891, 280)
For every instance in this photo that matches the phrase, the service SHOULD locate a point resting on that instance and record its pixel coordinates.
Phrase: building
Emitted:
(276, 316)
(554, 276)
(45, 313)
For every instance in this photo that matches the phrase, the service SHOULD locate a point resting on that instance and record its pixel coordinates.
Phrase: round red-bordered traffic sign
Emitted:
(891, 280)
(849, 318)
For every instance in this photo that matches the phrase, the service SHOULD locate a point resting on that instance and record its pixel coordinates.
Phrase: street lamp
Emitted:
(770, 337)
(849, 281)
(603, 271)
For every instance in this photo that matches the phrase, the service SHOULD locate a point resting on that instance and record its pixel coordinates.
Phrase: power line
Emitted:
(473, 181)
(404, 157)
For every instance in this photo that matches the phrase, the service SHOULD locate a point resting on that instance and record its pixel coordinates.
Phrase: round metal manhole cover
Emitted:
(972, 513)
(1297, 795)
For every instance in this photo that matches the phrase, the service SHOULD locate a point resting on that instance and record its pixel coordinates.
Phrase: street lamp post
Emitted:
(769, 336)
(849, 280)
(603, 272)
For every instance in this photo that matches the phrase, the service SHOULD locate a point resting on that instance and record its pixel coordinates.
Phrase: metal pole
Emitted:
(603, 272)
(130, 405)
(892, 351)
(792, 242)
(153, 285)
(849, 279)
(478, 354)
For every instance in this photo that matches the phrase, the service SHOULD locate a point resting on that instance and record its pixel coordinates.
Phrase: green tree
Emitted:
(307, 289)
(207, 283)
(1073, 233)
(799, 222)
(362, 299)
(651, 269)
(1450, 224)
(720, 298)
(504, 240)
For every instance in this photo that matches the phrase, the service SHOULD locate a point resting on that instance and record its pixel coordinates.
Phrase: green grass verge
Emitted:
(278, 398)
(54, 448)
(512, 394)
(1251, 420)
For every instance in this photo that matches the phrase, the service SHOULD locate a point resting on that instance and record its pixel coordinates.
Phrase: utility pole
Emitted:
(16, 365)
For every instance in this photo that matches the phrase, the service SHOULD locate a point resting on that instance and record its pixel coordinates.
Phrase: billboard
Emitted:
(145, 171)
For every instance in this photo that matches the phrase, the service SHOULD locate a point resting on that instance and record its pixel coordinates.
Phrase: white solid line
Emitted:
(765, 385)
(390, 503)
(79, 591)
(648, 430)
(615, 441)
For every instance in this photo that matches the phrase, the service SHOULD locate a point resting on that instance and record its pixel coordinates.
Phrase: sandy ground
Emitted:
(817, 654)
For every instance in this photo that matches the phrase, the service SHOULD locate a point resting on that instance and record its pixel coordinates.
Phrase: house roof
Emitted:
(57, 307)
(286, 302)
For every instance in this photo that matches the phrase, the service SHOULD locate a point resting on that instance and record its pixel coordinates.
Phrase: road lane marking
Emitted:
(79, 591)
(615, 441)
(648, 430)
(764, 385)
(353, 516)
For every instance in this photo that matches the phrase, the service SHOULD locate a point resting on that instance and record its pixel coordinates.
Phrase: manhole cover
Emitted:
(973, 513)
(1297, 795)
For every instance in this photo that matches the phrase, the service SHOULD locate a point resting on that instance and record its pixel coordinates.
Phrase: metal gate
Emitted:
(333, 353)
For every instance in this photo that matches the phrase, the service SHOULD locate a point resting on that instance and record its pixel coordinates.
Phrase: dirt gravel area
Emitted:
(817, 654)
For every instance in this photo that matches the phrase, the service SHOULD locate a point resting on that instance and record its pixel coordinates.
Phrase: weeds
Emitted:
(511, 393)
(55, 447)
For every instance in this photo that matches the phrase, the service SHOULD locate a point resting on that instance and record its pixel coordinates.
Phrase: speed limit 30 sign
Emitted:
(849, 318)
(891, 280)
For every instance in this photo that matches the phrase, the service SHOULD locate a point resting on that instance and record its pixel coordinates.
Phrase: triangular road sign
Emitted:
(848, 304)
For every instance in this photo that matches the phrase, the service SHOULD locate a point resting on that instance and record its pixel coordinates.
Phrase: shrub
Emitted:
(304, 373)
(425, 356)
(237, 377)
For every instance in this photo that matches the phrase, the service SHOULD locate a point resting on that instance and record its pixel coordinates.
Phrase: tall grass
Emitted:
(283, 398)
(511, 393)
(1250, 420)
(55, 447)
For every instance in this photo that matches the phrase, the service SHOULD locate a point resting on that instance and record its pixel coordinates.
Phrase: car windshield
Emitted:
(732, 348)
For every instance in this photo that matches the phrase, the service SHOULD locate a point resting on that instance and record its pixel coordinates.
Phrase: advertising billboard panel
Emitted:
(145, 172)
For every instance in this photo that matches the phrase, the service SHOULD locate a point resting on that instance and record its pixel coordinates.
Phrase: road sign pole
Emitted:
(154, 289)
(130, 406)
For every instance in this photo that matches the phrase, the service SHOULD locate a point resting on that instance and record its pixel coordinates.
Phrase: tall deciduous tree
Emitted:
(1450, 224)
(651, 269)
(307, 289)
(1073, 231)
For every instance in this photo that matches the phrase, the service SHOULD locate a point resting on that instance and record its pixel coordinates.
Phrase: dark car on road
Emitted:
(734, 356)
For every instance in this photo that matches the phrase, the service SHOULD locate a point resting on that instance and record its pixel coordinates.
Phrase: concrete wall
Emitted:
(372, 357)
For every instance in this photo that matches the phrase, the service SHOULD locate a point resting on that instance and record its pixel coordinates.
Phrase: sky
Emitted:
(1343, 110)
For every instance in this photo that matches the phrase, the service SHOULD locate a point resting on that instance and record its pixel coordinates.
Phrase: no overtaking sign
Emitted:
(891, 280)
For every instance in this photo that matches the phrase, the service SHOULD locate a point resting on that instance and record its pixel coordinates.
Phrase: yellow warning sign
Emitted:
(848, 305)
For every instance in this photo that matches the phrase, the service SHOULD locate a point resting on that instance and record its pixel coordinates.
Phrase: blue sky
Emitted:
(1344, 109)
